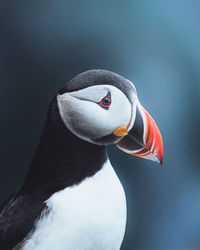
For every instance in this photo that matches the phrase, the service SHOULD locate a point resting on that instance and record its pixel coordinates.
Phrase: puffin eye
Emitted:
(105, 102)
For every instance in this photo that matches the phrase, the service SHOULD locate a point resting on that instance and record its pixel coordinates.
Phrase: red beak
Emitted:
(144, 138)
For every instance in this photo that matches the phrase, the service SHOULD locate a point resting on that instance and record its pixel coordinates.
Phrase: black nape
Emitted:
(62, 159)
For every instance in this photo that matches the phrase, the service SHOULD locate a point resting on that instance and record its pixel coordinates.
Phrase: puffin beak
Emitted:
(142, 137)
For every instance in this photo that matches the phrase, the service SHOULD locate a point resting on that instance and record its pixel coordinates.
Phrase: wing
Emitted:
(17, 217)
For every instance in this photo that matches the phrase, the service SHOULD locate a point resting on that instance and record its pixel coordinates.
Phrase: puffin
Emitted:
(71, 197)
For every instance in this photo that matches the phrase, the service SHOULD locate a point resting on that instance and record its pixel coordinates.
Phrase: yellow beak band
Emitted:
(120, 131)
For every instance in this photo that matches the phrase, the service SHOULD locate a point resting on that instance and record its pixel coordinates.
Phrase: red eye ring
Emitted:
(106, 102)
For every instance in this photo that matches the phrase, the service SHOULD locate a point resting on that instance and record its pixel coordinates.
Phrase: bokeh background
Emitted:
(155, 44)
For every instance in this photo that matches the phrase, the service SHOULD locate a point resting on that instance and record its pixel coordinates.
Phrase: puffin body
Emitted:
(71, 198)
(91, 215)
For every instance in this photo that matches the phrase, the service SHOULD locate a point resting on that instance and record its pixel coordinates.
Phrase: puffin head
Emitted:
(102, 108)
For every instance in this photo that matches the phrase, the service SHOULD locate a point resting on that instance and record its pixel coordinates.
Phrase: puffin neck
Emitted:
(62, 159)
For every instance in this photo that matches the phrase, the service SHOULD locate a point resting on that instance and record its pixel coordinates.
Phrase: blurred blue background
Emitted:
(155, 44)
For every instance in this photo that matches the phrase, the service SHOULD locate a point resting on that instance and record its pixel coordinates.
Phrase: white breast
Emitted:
(88, 216)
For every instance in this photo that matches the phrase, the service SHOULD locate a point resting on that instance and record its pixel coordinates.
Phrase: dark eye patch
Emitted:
(106, 101)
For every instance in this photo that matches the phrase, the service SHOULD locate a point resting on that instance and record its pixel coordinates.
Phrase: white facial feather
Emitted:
(81, 113)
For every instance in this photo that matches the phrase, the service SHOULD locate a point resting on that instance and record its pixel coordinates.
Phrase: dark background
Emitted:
(155, 44)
